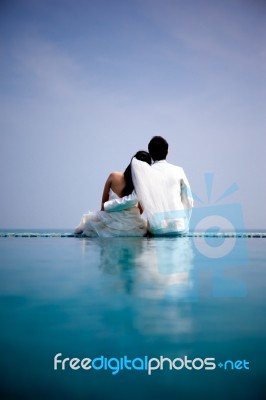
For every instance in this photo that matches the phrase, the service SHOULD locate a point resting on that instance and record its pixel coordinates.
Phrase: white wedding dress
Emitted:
(112, 224)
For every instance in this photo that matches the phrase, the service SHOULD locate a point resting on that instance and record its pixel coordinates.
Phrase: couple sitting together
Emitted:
(157, 189)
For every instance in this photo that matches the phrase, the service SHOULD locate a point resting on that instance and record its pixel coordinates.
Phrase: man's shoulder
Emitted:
(170, 170)
(172, 167)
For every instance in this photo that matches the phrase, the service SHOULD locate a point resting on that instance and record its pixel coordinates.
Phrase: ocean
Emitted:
(143, 318)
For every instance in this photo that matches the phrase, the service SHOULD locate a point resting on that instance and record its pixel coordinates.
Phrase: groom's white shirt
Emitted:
(174, 185)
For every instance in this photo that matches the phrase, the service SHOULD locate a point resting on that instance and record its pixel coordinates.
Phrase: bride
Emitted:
(127, 222)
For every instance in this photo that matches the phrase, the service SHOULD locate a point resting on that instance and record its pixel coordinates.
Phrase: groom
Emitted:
(162, 190)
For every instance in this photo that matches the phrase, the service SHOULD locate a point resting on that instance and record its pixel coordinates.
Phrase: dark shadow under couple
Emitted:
(151, 196)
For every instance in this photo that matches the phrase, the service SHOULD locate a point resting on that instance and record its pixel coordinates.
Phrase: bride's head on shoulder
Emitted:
(142, 156)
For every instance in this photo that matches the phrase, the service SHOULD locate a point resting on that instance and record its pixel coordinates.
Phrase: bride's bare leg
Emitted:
(78, 230)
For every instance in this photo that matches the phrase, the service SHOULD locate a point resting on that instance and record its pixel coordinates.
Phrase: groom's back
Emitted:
(170, 182)
(165, 196)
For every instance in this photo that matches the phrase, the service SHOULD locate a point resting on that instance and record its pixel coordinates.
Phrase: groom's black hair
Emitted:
(158, 148)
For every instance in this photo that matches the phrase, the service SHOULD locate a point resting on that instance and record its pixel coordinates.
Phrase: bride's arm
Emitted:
(106, 189)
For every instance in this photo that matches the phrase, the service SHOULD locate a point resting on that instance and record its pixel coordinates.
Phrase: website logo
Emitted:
(149, 365)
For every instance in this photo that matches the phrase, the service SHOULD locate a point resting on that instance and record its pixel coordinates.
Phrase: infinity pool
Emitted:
(133, 298)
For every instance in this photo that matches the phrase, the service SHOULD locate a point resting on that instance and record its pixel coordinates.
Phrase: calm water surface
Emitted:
(135, 297)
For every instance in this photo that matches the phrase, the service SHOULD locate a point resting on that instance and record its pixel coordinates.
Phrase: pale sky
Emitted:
(85, 84)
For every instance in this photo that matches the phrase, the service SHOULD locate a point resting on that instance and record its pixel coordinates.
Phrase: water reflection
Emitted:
(148, 268)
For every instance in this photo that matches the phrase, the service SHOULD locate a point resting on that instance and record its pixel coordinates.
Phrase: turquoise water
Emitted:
(133, 297)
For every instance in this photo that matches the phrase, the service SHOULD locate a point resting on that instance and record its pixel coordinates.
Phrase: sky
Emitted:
(86, 84)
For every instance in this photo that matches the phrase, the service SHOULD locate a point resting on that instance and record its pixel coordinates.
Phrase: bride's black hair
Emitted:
(142, 156)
